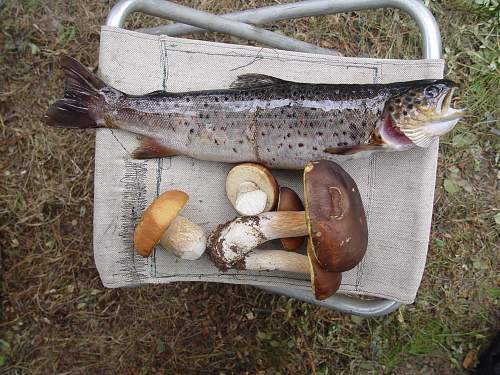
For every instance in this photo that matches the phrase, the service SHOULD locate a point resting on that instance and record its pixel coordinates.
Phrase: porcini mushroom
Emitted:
(334, 218)
(324, 283)
(289, 201)
(251, 189)
(161, 223)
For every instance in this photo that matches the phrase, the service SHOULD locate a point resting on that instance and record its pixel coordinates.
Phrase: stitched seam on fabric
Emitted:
(413, 63)
(360, 267)
(373, 177)
(363, 61)
(380, 71)
(164, 61)
(159, 161)
(133, 203)
(282, 279)
(283, 56)
(372, 165)
(245, 278)
(325, 62)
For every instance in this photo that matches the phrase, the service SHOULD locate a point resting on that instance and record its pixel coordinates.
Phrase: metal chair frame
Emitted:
(241, 24)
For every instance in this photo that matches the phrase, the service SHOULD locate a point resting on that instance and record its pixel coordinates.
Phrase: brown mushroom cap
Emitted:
(289, 201)
(257, 174)
(324, 283)
(156, 219)
(335, 216)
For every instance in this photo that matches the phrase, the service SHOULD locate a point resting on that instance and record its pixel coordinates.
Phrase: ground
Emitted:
(57, 317)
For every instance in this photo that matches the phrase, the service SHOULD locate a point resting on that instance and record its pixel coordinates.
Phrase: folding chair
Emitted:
(397, 189)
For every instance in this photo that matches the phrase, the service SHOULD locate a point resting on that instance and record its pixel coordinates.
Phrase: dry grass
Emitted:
(57, 318)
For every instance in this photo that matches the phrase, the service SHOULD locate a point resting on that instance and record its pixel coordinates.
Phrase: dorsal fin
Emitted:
(252, 80)
(152, 94)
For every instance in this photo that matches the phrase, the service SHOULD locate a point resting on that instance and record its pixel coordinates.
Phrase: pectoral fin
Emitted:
(150, 148)
(354, 149)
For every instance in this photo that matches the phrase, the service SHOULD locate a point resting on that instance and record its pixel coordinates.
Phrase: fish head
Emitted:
(419, 115)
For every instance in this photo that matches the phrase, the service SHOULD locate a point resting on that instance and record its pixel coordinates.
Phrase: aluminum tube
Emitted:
(169, 10)
(342, 302)
(431, 37)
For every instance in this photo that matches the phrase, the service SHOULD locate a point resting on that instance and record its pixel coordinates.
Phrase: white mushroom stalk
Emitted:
(184, 239)
(275, 260)
(251, 189)
(231, 242)
(250, 199)
(288, 200)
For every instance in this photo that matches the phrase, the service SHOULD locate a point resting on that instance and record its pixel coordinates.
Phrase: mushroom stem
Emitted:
(233, 240)
(275, 260)
(250, 200)
(324, 283)
(251, 189)
(283, 224)
(184, 238)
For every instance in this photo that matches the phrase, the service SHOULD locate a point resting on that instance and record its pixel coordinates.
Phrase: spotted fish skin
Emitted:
(284, 125)
(260, 119)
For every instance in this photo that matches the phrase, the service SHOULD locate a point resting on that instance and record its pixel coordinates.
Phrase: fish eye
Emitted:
(431, 91)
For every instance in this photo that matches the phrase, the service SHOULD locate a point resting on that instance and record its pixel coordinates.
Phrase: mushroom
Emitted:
(251, 189)
(324, 283)
(162, 223)
(334, 219)
(289, 201)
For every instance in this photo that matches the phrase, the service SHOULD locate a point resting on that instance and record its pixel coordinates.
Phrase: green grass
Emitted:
(57, 318)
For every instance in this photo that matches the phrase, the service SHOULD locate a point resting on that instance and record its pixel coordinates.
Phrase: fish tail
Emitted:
(81, 106)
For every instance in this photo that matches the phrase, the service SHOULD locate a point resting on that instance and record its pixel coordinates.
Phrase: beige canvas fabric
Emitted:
(397, 188)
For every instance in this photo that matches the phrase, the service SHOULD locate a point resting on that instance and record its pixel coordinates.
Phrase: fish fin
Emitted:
(154, 94)
(150, 148)
(354, 149)
(252, 80)
(81, 98)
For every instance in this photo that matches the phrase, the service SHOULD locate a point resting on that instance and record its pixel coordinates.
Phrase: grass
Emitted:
(57, 318)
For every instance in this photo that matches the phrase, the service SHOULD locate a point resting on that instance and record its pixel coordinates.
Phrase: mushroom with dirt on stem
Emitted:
(324, 283)
(161, 223)
(334, 219)
(251, 189)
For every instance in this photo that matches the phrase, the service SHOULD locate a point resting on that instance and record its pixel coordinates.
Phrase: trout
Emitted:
(263, 119)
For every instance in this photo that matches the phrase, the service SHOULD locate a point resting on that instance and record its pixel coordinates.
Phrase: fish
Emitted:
(263, 119)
